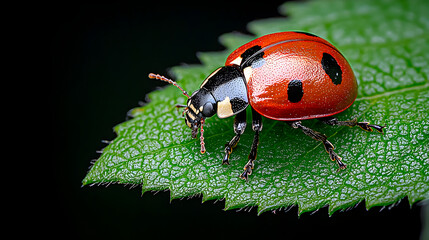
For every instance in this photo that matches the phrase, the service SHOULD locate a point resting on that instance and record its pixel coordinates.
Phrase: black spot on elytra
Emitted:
(294, 91)
(332, 68)
(251, 56)
(249, 52)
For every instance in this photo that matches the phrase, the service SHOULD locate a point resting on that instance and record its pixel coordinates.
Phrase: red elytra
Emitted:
(295, 58)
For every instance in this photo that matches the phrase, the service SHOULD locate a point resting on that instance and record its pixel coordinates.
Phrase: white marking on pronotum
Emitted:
(224, 108)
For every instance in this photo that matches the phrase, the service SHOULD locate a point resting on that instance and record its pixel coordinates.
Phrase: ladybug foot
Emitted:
(225, 160)
(333, 155)
(337, 159)
(228, 150)
(247, 170)
(369, 127)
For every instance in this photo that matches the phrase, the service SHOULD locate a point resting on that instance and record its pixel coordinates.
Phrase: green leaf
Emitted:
(386, 43)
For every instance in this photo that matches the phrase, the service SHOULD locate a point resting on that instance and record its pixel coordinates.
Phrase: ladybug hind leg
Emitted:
(333, 121)
(320, 137)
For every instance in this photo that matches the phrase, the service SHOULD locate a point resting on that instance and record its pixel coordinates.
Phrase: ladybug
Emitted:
(285, 76)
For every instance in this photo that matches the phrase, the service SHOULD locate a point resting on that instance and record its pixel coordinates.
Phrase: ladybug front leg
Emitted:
(351, 123)
(239, 127)
(320, 137)
(257, 127)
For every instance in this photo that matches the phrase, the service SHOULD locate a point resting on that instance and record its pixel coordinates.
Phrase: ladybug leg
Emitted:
(320, 137)
(239, 127)
(351, 123)
(257, 127)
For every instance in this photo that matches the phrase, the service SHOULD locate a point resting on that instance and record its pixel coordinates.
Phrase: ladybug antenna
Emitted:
(203, 148)
(162, 78)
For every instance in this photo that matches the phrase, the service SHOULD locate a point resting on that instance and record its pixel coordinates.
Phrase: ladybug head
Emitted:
(199, 106)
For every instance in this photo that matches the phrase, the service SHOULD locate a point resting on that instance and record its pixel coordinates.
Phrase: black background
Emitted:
(99, 57)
